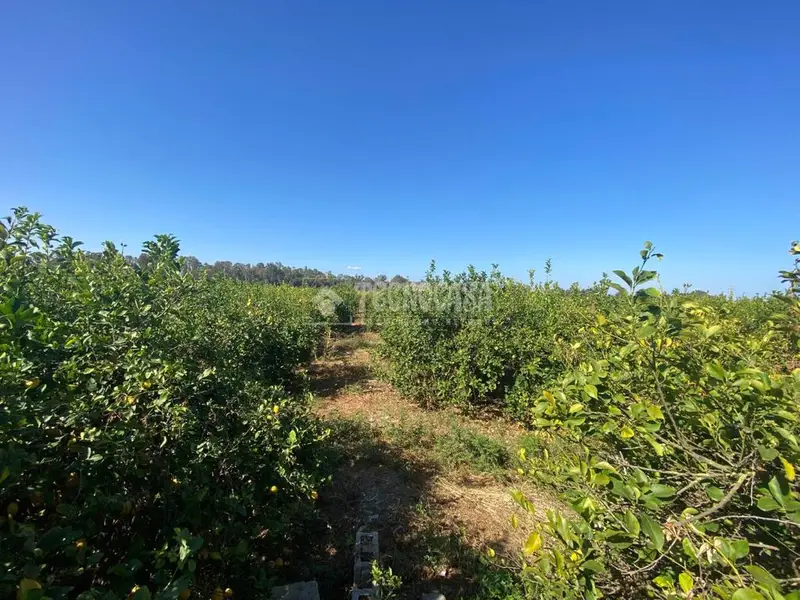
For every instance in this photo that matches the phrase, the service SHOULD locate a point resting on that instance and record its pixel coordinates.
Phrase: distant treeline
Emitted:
(276, 273)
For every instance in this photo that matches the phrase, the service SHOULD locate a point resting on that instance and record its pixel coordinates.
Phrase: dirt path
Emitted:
(435, 484)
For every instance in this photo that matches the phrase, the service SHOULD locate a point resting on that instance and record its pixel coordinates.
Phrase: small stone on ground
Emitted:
(302, 590)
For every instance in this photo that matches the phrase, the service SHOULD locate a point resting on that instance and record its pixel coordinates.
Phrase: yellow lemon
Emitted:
(80, 544)
(490, 553)
(274, 489)
(13, 508)
(228, 592)
(32, 383)
(279, 562)
(276, 409)
(27, 585)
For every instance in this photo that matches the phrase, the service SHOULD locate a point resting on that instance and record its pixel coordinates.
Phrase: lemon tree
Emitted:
(151, 443)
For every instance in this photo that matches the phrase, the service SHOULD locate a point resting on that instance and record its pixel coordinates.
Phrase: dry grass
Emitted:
(434, 519)
(484, 509)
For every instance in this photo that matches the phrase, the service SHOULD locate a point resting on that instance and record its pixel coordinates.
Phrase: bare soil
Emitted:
(434, 522)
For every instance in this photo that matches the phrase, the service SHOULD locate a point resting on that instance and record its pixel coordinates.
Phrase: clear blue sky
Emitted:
(384, 133)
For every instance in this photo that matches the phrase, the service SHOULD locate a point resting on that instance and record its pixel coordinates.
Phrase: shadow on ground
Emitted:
(375, 486)
(333, 376)
(395, 470)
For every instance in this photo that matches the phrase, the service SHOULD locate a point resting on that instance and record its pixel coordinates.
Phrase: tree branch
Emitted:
(723, 502)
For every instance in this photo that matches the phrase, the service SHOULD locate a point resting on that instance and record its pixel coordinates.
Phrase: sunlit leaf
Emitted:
(652, 530)
(686, 581)
(533, 543)
(788, 468)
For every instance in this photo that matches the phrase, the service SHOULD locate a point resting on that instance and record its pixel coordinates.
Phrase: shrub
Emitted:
(147, 440)
(477, 338)
(683, 468)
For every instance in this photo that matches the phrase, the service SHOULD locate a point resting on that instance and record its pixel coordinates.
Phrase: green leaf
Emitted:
(686, 581)
(593, 566)
(241, 547)
(590, 390)
(142, 593)
(746, 594)
(653, 531)
(778, 490)
(52, 538)
(767, 504)
(659, 448)
(764, 577)
(604, 466)
(624, 276)
(716, 371)
(31, 594)
(715, 493)
(688, 548)
(654, 412)
(523, 501)
(533, 543)
(619, 288)
(662, 491)
(787, 435)
(631, 524)
(664, 582)
(741, 548)
(768, 454)
(645, 332)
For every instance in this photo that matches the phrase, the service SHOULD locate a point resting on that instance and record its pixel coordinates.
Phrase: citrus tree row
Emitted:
(153, 442)
(675, 441)
(669, 421)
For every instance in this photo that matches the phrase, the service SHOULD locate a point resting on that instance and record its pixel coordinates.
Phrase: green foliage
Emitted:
(477, 338)
(386, 582)
(789, 322)
(347, 308)
(682, 470)
(499, 585)
(147, 438)
(462, 446)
